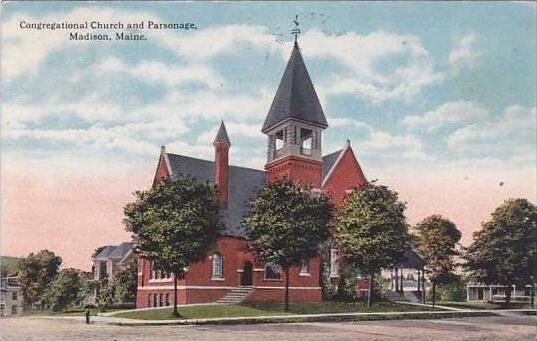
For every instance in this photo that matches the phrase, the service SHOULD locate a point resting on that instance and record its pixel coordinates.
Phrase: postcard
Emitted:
(268, 169)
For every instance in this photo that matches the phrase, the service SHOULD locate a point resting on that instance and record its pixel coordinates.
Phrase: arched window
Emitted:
(218, 266)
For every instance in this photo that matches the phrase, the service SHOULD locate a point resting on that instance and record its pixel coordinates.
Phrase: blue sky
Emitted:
(493, 70)
(425, 90)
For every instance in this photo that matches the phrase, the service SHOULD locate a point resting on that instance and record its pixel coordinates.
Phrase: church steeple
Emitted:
(294, 126)
(296, 97)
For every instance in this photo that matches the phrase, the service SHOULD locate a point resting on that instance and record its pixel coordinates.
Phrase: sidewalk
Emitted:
(435, 306)
(338, 317)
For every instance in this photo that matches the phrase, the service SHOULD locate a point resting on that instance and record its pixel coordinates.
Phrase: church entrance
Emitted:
(247, 273)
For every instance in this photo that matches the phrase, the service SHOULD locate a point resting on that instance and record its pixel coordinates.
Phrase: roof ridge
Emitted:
(212, 161)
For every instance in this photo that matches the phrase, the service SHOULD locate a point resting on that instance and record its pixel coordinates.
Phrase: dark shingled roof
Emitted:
(221, 136)
(243, 184)
(329, 161)
(121, 250)
(115, 252)
(104, 252)
(411, 261)
(296, 97)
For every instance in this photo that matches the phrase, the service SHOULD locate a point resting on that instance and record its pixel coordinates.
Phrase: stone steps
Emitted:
(236, 295)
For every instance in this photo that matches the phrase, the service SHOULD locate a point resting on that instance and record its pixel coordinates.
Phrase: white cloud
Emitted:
(516, 121)
(447, 114)
(234, 130)
(463, 55)
(381, 140)
(366, 74)
(25, 49)
(375, 141)
(345, 122)
(161, 73)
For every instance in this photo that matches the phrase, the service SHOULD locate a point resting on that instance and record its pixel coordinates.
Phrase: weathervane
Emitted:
(296, 30)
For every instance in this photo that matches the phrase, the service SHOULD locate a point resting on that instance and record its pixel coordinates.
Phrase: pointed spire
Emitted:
(296, 97)
(221, 136)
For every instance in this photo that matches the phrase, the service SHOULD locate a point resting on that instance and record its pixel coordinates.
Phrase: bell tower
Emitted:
(294, 126)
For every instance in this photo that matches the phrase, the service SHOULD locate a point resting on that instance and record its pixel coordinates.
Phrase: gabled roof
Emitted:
(103, 255)
(412, 260)
(111, 252)
(221, 136)
(330, 160)
(296, 97)
(121, 250)
(243, 185)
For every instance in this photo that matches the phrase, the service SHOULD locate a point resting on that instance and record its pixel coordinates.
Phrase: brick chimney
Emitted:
(221, 161)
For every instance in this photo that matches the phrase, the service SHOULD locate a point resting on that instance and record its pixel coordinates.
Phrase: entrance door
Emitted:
(480, 294)
(247, 273)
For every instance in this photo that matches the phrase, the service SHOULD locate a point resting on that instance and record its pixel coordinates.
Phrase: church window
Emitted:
(151, 270)
(217, 266)
(273, 271)
(334, 263)
(304, 267)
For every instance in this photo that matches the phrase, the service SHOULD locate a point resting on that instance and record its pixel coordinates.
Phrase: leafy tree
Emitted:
(436, 238)
(86, 287)
(176, 224)
(452, 289)
(504, 250)
(36, 272)
(371, 229)
(9, 266)
(63, 291)
(126, 281)
(286, 225)
(104, 294)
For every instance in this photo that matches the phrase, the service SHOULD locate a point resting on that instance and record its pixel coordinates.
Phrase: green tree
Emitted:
(452, 289)
(504, 250)
(9, 266)
(286, 225)
(176, 224)
(35, 273)
(63, 291)
(126, 281)
(104, 294)
(436, 238)
(371, 229)
(86, 287)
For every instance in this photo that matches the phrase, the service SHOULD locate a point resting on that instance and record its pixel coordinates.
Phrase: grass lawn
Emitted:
(69, 312)
(484, 305)
(252, 310)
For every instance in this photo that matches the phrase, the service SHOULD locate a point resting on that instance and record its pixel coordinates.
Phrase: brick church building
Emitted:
(294, 126)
